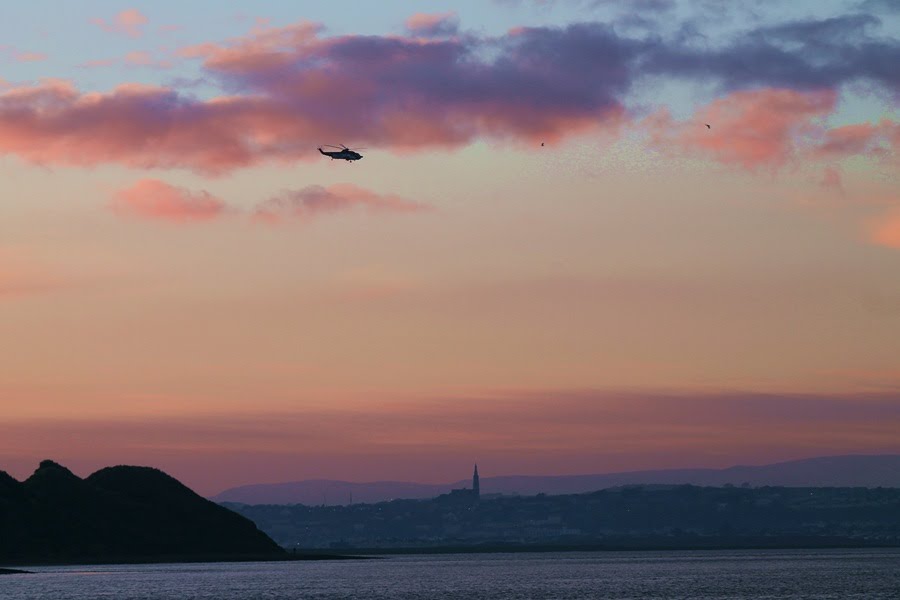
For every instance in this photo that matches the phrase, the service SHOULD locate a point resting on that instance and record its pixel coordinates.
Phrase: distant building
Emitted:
(465, 493)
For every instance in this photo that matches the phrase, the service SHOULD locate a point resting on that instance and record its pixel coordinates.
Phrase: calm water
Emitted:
(840, 574)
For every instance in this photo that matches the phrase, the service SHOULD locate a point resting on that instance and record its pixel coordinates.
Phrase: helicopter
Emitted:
(343, 153)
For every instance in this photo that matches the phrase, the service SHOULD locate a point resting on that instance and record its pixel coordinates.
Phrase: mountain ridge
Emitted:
(853, 470)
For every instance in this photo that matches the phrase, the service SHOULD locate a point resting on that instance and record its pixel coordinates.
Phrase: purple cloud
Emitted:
(291, 89)
(808, 54)
(314, 200)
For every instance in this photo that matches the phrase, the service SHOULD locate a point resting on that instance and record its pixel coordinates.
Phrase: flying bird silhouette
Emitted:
(707, 126)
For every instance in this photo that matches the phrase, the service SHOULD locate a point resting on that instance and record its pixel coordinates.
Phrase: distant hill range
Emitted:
(118, 514)
(825, 471)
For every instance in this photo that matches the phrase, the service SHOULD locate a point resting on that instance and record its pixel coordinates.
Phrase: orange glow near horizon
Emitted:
(551, 432)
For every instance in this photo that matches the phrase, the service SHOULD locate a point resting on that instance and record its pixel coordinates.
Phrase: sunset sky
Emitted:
(186, 283)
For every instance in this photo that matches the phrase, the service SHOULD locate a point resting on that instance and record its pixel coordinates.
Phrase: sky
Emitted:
(545, 261)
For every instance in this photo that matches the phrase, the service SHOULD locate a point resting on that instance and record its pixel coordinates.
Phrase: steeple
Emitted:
(476, 487)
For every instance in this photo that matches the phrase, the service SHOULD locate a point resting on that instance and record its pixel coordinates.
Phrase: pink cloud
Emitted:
(849, 139)
(433, 25)
(137, 58)
(154, 199)
(134, 125)
(21, 55)
(265, 48)
(860, 139)
(129, 22)
(749, 129)
(315, 200)
(30, 56)
(145, 59)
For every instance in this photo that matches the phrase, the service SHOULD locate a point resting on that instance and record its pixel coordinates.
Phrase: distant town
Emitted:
(628, 516)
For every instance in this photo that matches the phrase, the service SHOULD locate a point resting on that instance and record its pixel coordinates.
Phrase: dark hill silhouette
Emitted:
(825, 471)
(118, 514)
(7, 483)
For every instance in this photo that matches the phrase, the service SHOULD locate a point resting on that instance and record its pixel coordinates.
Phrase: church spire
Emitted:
(476, 486)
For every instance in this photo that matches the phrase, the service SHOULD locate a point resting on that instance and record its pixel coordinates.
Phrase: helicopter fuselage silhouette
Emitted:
(344, 153)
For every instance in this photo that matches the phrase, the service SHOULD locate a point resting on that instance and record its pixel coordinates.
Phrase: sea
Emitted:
(765, 575)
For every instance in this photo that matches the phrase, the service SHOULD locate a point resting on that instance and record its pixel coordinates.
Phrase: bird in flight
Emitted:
(707, 126)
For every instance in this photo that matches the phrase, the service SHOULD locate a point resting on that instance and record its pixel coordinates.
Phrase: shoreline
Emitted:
(625, 546)
(309, 555)
(384, 553)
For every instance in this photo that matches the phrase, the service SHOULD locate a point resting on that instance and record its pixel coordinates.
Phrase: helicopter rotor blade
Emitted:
(333, 146)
